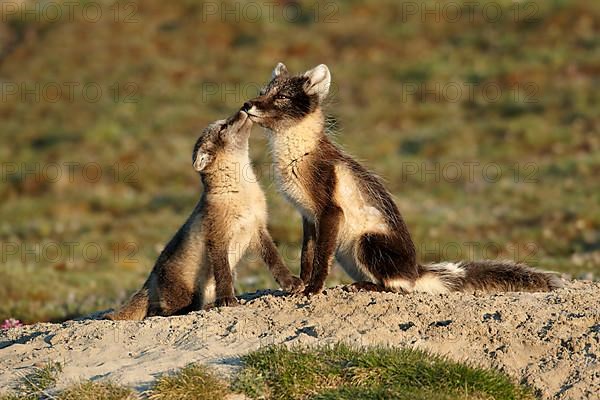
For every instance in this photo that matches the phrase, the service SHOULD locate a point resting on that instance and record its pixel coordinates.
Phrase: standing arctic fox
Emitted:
(346, 210)
(196, 267)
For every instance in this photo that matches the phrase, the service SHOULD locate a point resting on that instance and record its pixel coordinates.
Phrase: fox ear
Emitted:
(201, 161)
(318, 82)
(279, 70)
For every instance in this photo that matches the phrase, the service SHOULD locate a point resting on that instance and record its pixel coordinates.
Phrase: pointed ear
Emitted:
(201, 161)
(279, 70)
(318, 82)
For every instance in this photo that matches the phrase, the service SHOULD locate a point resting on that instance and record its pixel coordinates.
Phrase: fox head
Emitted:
(220, 141)
(287, 99)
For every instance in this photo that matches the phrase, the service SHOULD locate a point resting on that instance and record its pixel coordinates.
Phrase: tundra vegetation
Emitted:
(325, 373)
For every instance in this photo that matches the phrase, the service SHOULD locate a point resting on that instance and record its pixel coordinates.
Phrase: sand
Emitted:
(550, 341)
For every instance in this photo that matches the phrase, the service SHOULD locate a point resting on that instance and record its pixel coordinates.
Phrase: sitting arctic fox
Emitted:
(347, 212)
(196, 268)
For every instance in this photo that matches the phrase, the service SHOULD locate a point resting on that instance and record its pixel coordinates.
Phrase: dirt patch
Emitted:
(550, 341)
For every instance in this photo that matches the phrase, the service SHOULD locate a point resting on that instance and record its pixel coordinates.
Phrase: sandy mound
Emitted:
(550, 340)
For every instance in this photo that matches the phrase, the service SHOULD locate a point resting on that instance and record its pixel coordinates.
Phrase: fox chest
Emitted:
(292, 182)
(246, 212)
(292, 153)
(236, 218)
(244, 224)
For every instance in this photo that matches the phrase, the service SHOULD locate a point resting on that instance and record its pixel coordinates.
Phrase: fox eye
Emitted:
(282, 96)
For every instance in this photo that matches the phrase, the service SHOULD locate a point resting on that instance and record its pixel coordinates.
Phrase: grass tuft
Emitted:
(194, 382)
(342, 372)
(35, 384)
(97, 391)
(323, 373)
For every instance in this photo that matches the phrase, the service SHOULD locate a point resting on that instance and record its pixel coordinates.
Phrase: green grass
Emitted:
(39, 384)
(342, 372)
(80, 391)
(194, 382)
(96, 391)
(176, 56)
(324, 373)
(35, 384)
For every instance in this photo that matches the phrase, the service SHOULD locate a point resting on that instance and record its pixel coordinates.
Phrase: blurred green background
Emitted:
(484, 121)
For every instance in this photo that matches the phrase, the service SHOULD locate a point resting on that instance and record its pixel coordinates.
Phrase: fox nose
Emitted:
(247, 106)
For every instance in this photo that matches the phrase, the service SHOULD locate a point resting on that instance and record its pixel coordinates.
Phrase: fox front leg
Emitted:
(217, 256)
(280, 272)
(328, 228)
(308, 250)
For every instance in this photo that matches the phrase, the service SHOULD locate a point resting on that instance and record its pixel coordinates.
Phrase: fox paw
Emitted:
(293, 285)
(363, 287)
(229, 301)
(313, 289)
(111, 316)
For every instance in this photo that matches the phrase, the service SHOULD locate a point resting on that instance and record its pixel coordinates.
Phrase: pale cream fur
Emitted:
(359, 217)
(429, 282)
(289, 147)
(246, 209)
(400, 284)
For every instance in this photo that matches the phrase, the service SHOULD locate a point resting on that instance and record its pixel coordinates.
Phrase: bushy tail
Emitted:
(489, 276)
(135, 309)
